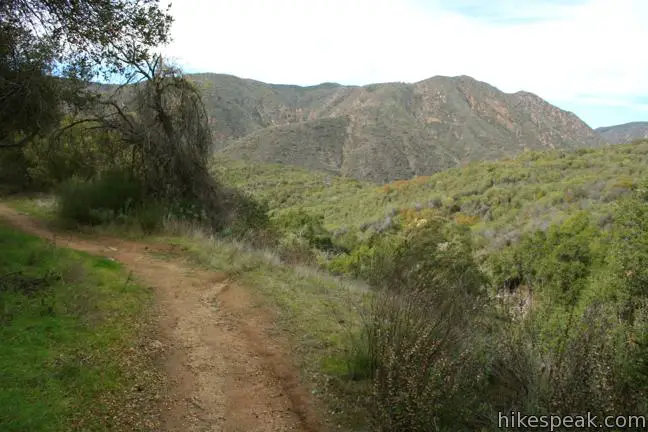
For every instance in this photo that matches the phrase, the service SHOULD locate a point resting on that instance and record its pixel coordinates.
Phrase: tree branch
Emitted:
(20, 143)
(73, 124)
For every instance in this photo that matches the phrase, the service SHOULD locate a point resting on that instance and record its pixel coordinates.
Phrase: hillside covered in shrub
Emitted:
(500, 200)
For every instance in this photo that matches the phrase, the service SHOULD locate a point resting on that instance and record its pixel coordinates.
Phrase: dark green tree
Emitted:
(51, 49)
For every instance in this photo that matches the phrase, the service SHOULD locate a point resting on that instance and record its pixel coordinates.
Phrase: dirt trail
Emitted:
(224, 372)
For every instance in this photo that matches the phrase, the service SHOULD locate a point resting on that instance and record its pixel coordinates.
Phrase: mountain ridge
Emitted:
(385, 131)
(624, 133)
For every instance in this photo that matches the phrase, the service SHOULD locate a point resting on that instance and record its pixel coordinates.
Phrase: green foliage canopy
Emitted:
(51, 49)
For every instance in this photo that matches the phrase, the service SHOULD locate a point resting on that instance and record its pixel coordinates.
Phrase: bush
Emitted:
(310, 227)
(106, 199)
(14, 175)
(420, 341)
(293, 249)
(557, 263)
(591, 368)
(149, 216)
(116, 196)
(425, 363)
(425, 354)
(80, 151)
(250, 212)
(346, 240)
(370, 261)
(629, 257)
(432, 254)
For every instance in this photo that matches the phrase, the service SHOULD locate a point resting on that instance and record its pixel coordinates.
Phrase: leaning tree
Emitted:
(160, 117)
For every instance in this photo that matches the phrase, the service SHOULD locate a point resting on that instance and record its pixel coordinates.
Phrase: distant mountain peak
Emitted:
(386, 131)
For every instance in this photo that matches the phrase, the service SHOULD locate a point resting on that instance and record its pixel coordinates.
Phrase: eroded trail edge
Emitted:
(224, 373)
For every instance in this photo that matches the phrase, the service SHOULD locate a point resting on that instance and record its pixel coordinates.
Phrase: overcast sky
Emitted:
(586, 56)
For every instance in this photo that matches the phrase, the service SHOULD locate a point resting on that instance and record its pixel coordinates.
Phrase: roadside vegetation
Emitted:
(69, 322)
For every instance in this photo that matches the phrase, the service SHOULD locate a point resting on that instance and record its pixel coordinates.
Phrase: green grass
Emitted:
(42, 206)
(67, 321)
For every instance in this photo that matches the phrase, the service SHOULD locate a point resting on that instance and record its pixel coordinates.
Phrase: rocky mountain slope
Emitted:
(624, 133)
(383, 132)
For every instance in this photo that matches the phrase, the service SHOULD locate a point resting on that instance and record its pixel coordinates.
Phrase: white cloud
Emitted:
(578, 51)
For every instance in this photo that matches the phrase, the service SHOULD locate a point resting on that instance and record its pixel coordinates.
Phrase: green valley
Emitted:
(502, 199)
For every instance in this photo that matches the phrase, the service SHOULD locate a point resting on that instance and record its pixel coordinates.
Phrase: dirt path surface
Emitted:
(224, 372)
